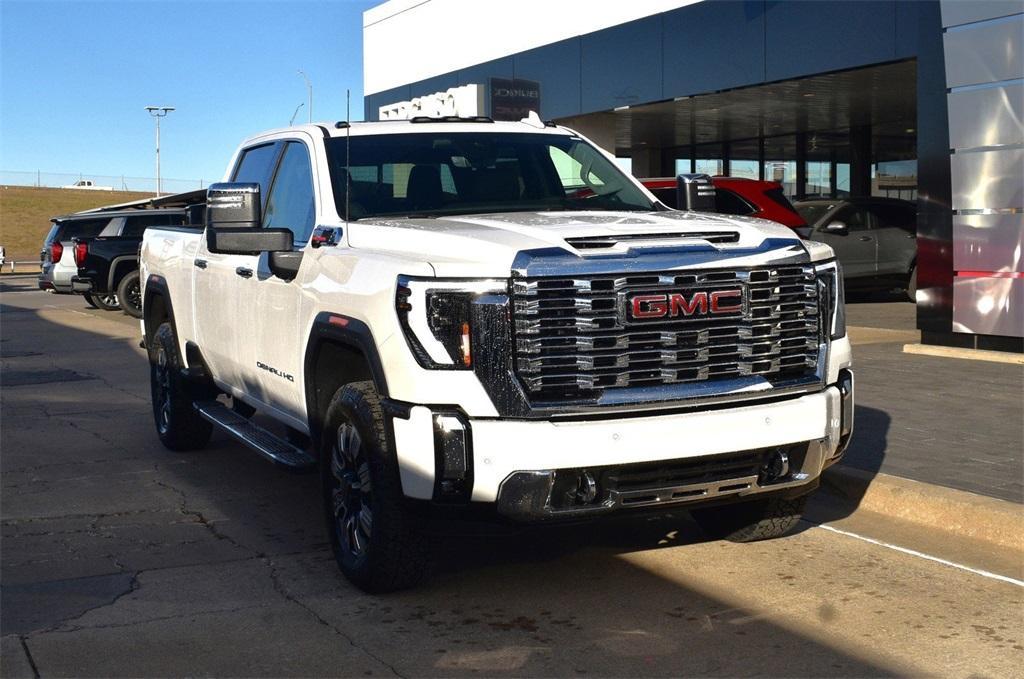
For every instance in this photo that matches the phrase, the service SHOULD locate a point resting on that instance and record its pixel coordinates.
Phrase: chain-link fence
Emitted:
(100, 182)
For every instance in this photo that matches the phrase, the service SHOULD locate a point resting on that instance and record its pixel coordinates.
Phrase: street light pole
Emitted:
(158, 112)
(292, 121)
(309, 87)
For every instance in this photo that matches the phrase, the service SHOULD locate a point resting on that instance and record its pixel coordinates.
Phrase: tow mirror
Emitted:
(838, 228)
(233, 222)
(695, 192)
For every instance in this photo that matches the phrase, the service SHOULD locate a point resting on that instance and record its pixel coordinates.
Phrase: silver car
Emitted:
(875, 239)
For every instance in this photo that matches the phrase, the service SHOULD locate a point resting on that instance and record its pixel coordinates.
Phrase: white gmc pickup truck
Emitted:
(492, 318)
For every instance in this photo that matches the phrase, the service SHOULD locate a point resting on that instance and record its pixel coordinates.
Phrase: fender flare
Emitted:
(332, 328)
(157, 285)
(114, 263)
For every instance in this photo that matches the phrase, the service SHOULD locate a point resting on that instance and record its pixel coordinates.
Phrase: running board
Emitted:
(270, 446)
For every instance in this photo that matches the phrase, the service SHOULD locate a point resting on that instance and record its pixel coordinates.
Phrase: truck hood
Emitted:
(488, 245)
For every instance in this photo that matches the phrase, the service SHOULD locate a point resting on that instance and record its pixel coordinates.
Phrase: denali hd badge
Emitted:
(687, 304)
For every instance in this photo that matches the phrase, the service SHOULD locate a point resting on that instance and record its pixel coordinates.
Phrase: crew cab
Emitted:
(448, 316)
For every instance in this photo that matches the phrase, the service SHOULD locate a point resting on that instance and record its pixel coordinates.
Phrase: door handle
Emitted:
(199, 263)
(244, 272)
(864, 238)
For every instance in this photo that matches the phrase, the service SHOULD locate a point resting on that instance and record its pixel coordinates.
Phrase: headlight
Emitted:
(437, 321)
(830, 288)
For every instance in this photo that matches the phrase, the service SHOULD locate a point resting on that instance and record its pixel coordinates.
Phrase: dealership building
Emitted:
(922, 101)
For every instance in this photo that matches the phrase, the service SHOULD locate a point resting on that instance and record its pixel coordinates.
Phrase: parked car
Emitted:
(875, 239)
(739, 196)
(465, 316)
(108, 264)
(57, 257)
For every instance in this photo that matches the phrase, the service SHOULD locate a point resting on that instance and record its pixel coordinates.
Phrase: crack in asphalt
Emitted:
(133, 586)
(201, 519)
(280, 588)
(28, 656)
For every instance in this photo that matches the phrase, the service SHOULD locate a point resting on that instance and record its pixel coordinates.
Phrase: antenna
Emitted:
(348, 146)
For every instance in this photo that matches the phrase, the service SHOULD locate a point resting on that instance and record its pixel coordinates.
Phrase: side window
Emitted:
(729, 203)
(855, 218)
(136, 225)
(255, 166)
(896, 216)
(291, 202)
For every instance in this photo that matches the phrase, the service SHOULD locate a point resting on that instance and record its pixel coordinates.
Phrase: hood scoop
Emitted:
(633, 239)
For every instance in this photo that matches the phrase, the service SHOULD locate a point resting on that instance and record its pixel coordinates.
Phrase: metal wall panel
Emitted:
(988, 242)
(987, 179)
(803, 38)
(373, 102)
(478, 75)
(989, 306)
(992, 116)
(621, 65)
(967, 11)
(985, 53)
(557, 68)
(726, 37)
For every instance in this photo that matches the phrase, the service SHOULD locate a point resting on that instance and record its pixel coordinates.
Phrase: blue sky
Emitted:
(76, 76)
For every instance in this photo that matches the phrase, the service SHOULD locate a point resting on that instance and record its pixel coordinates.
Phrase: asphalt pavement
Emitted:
(120, 558)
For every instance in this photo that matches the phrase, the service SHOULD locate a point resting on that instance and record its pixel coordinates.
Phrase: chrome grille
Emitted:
(573, 337)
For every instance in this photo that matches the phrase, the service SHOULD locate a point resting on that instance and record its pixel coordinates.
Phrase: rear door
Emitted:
(222, 301)
(856, 249)
(896, 231)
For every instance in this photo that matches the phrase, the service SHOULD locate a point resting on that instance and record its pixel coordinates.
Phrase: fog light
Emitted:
(776, 468)
(453, 458)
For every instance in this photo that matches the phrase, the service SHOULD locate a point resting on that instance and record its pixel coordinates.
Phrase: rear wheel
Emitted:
(129, 294)
(751, 521)
(107, 301)
(378, 544)
(178, 424)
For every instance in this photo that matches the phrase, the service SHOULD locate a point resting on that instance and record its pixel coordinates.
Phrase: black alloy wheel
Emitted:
(162, 391)
(129, 293)
(352, 491)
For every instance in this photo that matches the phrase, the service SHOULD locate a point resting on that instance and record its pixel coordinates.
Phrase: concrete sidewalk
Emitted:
(948, 421)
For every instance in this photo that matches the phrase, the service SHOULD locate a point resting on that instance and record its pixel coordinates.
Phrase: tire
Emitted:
(378, 544)
(751, 521)
(912, 284)
(129, 294)
(90, 301)
(106, 301)
(178, 424)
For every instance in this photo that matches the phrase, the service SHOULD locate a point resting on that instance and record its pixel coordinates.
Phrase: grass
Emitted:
(25, 213)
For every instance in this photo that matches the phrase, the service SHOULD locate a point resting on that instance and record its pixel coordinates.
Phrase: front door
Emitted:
(856, 248)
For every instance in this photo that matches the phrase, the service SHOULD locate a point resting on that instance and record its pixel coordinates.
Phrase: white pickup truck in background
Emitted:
(492, 318)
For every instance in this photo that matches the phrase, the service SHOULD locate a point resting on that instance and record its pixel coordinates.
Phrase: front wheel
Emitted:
(178, 424)
(378, 544)
(752, 520)
(129, 293)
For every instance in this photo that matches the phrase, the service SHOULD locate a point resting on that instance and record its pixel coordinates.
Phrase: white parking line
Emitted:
(922, 555)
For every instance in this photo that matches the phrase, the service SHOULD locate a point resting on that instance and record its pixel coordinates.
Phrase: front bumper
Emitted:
(522, 465)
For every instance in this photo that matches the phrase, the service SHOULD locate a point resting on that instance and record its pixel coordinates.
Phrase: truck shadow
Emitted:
(625, 597)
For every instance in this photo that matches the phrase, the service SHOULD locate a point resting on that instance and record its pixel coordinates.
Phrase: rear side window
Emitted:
(136, 225)
(729, 203)
(256, 166)
(81, 228)
(898, 216)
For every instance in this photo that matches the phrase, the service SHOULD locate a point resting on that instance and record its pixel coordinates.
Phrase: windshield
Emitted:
(433, 174)
(813, 212)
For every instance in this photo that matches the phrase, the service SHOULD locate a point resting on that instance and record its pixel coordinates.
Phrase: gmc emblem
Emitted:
(675, 304)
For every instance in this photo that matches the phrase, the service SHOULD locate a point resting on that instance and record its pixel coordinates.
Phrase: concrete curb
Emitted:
(956, 512)
(968, 354)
